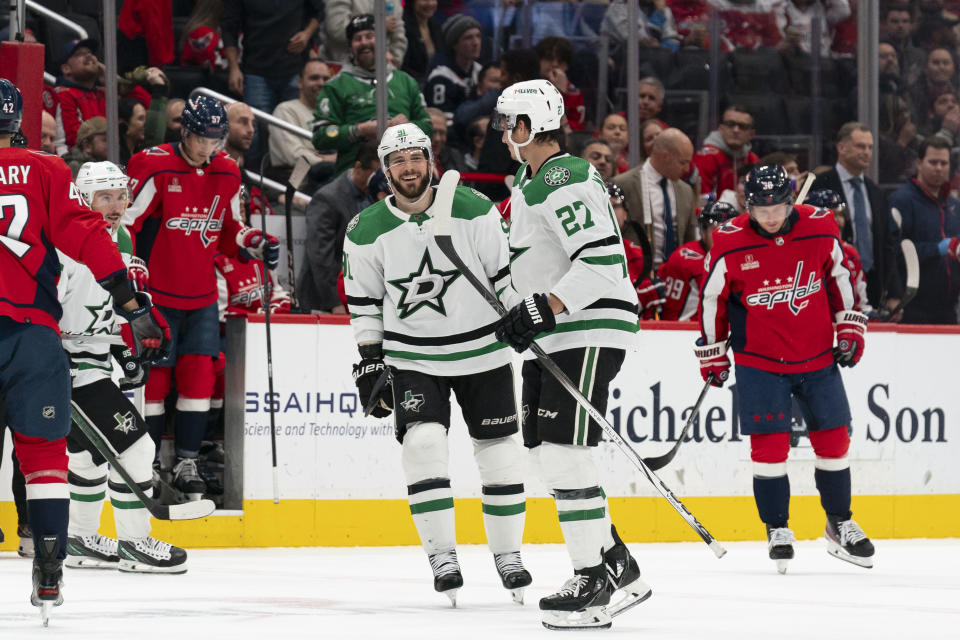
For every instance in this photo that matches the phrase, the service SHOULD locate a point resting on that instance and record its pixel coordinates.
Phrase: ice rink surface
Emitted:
(386, 593)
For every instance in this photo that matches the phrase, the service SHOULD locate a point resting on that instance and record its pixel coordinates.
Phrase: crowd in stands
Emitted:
(312, 64)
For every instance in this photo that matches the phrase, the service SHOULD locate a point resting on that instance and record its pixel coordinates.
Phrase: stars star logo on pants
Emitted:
(425, 287)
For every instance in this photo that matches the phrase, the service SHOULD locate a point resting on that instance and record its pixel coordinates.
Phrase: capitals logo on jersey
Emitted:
(786, 290)
(425, 287)
(197, 219)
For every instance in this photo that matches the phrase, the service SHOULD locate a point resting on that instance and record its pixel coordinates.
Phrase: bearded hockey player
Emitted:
(412, 313)
(186, 208)
(683, 270)
(42, 209)
(568, 264)
(104, 407)
(776, 282)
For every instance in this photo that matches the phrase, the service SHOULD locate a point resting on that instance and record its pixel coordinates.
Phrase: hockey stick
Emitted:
(300, 170)
(658, 462)
(805, 188)
(375, 392)
(442, 231)
(265, 303)
(186, 511)
(912, 263)
(108, 338)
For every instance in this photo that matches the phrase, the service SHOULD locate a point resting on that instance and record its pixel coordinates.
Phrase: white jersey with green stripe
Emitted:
(402, 291)
(88, 310)
(564, 240)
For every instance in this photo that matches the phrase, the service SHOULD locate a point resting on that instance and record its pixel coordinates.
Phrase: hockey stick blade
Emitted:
(445, 242)
(106, 338)
(187, 511)
(659, 462)
(443, 203)
(912, 264)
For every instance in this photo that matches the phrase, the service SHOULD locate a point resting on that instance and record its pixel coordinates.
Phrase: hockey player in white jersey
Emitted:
(88, 311)
(412, 312)
(568, 264)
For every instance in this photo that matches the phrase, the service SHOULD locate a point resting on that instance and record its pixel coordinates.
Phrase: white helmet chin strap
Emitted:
(516, 145)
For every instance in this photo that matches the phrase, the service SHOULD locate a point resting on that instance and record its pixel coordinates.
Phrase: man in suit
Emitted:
(330, 210)
(661, 206)
(869, 229)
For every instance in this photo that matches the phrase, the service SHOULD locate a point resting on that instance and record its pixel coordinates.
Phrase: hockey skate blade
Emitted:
(192, 510)
(81, 562)
(782, 566)
(130, 566)
(452, 594)
(517, 595)
(45, 608)
(837, 551)
(634, 593)
(589, 618)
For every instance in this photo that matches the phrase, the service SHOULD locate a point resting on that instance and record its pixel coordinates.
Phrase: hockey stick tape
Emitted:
(443, 204)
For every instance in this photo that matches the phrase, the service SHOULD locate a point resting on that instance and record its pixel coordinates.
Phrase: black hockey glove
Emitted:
(366, 374)
(149, 332)
(135, 373)
(528, 319)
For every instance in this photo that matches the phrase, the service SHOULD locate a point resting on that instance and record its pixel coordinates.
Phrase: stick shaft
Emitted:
(265, 303)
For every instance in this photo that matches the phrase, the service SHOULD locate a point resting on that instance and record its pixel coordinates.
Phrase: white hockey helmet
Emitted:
(403, 136)
(97, 176)
(538, 100)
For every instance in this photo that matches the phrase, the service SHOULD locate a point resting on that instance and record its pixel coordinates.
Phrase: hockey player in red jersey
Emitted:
(775, 283)
(829, 199)
(186, 209)
(41, 210)
(683, 270)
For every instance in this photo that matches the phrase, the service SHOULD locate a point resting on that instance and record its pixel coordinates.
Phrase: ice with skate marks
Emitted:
(589, 618)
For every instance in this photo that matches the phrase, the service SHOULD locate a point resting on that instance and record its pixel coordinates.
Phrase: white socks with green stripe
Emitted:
(425, 458)
(570, 473)
(88, 488)
(132, 518)
(503, 501)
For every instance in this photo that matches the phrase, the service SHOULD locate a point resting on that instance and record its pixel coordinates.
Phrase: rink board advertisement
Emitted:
(341, 482)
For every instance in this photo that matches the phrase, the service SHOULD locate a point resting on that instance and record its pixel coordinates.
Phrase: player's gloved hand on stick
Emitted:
(652, 294)
(146, 331)
(714, 362)
(280, 304)
(950, 247)
(529, 318)
(365, 376)
(255, 245)
(851, 328)
(138, 274)
(135, 373)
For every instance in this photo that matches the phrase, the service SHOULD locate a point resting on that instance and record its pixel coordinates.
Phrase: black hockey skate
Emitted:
(149, 555)
(47, 577)
(580, 603)
(624, 574)
(847, 541)
(513, 574)
(447, 578)
(780, 545)
(91, 552)
(188, 480)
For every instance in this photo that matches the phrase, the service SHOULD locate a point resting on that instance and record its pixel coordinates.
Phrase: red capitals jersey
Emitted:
(181, 217)
(634, 253)
(851, 258)
(718, 170)
(776, 297)
(76, 104)
(241, 287)
(41, 210)
(574, 108)
(682, 274)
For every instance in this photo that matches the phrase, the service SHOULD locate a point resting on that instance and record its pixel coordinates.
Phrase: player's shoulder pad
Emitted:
(691, 251)
(222, 162)
(371, 223)
(731, 233)
(559, 172)
(469, 204)
(124, 243)
(815, 220)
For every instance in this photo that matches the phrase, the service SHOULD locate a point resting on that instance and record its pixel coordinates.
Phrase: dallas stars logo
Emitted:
(102, 317)
(412, 402)
(556, 176)
(516, 252)
(125, 422)
(424, 287)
